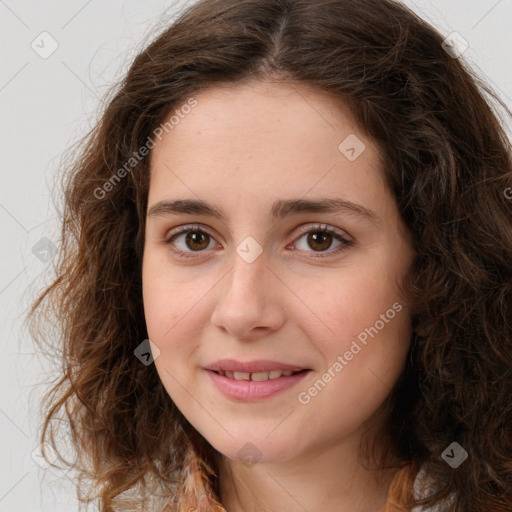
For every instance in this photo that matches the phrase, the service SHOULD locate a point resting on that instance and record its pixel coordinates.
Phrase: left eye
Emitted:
(321, 238)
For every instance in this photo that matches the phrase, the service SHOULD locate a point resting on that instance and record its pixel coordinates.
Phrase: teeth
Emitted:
(259, 376)
(256, 376)
(242, 376)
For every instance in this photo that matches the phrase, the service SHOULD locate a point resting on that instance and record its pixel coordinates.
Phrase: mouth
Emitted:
(258, 370)
(252, 386)
(258, 376)
(255, 380)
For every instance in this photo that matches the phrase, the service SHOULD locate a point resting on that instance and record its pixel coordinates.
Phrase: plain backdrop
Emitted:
(59, 59)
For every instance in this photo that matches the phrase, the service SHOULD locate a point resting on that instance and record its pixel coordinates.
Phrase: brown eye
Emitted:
(197, 240)
(322, 239)
(319, 240)
(189, 239)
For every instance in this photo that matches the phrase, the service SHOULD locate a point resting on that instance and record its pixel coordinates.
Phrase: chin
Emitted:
(254, 449)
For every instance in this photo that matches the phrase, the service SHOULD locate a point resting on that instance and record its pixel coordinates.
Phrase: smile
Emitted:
(254, 381)
(256, 376)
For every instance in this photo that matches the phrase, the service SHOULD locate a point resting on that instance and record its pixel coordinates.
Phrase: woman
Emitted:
(303, 206)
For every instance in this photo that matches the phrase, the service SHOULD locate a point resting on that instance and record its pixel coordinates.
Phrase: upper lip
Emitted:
(231, 365)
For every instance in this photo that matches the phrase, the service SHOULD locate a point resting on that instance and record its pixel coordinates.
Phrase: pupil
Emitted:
(320, 238)
(196, 239)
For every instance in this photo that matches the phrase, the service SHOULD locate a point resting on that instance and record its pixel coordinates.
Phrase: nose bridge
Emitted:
(248, 270)
(245, 301)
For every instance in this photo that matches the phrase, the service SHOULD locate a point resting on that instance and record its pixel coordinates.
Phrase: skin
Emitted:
(241, 148)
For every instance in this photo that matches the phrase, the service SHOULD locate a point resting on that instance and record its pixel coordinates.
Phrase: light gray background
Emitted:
(47, 104)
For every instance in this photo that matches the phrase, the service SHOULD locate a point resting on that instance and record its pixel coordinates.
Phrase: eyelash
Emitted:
(318, 228)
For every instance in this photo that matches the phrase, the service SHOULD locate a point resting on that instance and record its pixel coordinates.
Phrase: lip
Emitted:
(248, 390)
(261, 365)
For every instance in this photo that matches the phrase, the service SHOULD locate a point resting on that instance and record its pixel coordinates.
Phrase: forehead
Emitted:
(279, 114)
(264, 138)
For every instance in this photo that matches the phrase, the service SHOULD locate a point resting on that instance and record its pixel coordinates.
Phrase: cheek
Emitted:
(170, 302)
(356, 301)
(369, 329)
(174, 311)
(159, 305)
(170, 320)
(362, 363)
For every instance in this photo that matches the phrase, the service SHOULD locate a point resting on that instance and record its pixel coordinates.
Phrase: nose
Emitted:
(248, 303)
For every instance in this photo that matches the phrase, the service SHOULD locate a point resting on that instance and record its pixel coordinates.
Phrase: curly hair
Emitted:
(447, 160)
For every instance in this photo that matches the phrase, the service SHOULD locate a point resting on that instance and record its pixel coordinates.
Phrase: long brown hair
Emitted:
(447, 161)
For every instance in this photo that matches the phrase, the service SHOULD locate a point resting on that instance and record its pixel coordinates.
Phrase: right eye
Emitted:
(190, 239)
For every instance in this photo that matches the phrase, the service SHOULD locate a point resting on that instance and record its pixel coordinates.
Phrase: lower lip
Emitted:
(248, 390)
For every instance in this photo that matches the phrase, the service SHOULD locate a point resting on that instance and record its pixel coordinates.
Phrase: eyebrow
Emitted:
(279, 210)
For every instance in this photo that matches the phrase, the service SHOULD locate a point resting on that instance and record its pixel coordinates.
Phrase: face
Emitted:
(273, 245)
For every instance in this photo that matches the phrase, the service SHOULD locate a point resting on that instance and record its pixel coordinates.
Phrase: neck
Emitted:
(333, 480)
